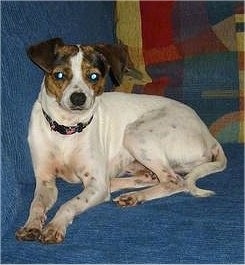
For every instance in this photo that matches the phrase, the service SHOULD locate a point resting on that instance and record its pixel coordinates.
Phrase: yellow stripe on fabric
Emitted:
(239, 18)
(129, 32)
(241, 80)
(241, 130)
(240, 41)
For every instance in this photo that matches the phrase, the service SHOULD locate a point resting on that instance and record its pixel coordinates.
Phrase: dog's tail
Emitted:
(217, 164)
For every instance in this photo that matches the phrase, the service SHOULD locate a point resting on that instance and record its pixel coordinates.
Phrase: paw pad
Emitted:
(28, 234)
(127, 200)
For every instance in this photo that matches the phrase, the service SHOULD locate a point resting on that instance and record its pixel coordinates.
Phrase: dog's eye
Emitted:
(93, 77)
(59, 75)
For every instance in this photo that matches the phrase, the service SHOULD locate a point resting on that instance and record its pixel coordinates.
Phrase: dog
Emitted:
(87, 136)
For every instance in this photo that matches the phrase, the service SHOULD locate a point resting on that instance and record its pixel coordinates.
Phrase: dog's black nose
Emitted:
(77, 98)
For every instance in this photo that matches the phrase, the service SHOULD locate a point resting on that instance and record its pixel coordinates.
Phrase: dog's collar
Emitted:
(66, 130)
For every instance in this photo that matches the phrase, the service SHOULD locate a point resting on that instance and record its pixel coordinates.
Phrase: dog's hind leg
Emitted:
(159, 191)
(131, 183)
(135, 176)
(217, 164)
(165, 188)
(151, 157)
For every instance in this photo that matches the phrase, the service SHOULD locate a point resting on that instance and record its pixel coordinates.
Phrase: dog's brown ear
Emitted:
(44, 54)
(118, 58)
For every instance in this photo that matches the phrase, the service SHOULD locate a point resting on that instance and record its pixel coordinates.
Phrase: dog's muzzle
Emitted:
(78, 99)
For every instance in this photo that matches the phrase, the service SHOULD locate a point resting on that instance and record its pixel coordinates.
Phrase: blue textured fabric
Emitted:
(178, 229)
(221, 70)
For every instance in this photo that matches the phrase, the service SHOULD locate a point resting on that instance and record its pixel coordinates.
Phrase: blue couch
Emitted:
(178, 229)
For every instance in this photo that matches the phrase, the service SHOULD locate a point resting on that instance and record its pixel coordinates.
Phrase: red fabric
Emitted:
(158, 39)
(166, 54)
(201, 44)
(157, 28)
(157, 87)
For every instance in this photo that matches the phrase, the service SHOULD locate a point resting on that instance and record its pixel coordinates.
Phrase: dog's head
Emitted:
(76, 74)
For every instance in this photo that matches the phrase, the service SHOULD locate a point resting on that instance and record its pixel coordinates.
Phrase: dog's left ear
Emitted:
(118, 59)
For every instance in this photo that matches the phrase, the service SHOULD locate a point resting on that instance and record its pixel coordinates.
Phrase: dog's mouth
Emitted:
(76, 108)
(71, 108)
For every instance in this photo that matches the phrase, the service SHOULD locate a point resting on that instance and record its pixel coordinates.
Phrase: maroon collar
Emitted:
(66, 130)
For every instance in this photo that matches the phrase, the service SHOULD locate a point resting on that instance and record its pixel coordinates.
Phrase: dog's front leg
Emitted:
(44, 197)
(95, 192)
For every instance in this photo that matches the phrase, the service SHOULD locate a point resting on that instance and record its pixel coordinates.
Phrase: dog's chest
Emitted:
(69, 160)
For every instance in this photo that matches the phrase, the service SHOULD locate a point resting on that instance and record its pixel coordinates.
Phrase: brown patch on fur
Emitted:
(61, 64)
(67, 51)
(56, 87)
(86, 174)
(56, 171)
(119, 61)
(45, 183)
(94, 62)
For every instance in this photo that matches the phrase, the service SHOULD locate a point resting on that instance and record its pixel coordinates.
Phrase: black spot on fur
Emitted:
(95, 59)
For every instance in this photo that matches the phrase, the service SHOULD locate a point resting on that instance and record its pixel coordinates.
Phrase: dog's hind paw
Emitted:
(126, 200)
(28, 234)
(197, 192)
(52, 235)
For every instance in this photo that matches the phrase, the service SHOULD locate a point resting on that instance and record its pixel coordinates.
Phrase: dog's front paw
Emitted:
(126, 200)
(28, 234)
(52, 234)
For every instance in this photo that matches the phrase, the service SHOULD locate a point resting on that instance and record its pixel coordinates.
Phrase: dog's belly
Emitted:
(119, 162)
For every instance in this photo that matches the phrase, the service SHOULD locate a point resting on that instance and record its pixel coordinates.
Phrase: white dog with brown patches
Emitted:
(83, 135)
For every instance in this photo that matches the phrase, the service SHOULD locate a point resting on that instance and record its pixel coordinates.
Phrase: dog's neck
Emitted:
(65, 130)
